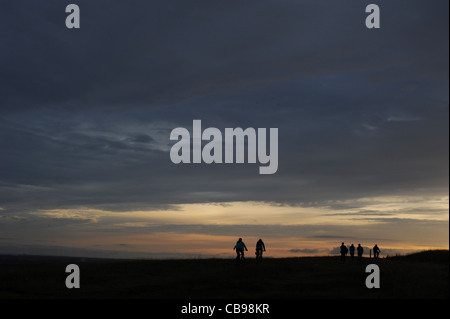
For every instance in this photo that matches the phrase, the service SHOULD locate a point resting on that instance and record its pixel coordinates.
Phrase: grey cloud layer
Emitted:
(85, 115)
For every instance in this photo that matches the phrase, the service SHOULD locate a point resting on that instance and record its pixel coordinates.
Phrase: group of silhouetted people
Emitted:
(344, 251)
(240, 246)
(260, 247)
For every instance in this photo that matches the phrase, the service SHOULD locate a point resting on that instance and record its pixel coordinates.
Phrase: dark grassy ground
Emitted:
(422, 275)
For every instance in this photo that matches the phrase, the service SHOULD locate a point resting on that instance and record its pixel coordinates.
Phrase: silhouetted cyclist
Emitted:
(240, 246)
(260, 247)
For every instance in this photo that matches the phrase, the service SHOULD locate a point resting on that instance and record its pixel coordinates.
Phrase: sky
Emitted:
(86, 116)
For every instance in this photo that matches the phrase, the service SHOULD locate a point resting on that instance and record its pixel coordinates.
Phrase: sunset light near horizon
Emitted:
(361, 117)
(210, 230)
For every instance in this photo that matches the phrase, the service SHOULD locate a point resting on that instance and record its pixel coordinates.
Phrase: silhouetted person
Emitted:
(240, 246)
(360, 251)
(344, 251)
(376, 251)
(352, 251)
(260, 247)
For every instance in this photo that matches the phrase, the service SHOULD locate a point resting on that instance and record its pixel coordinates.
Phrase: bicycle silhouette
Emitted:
(240, 259)
(258, 253)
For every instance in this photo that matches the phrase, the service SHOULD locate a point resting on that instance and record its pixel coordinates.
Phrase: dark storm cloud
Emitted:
(86, 114)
